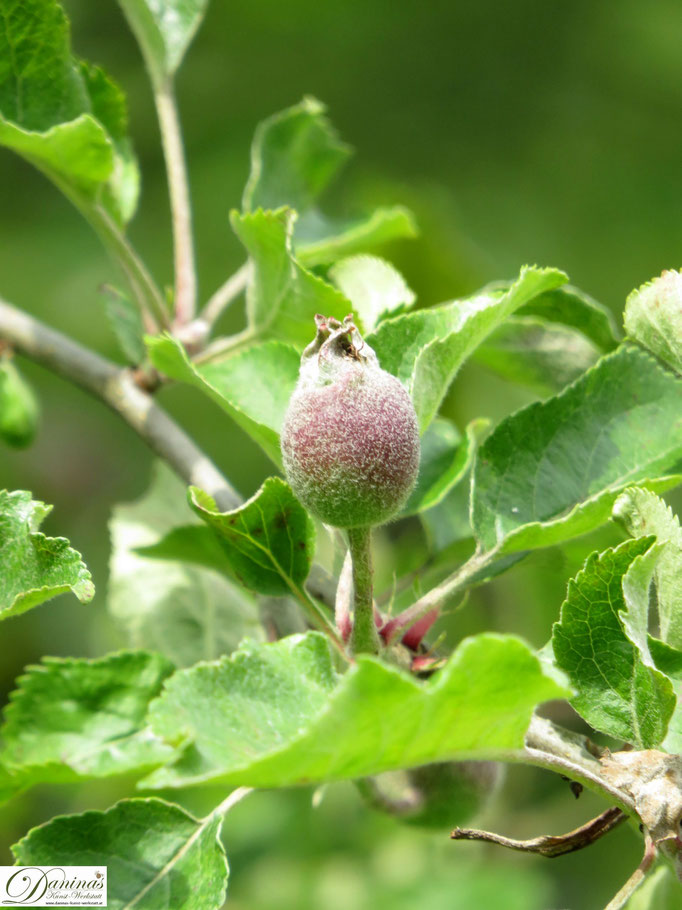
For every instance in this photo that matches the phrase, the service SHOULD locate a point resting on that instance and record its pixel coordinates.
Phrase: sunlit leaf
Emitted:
(643, 513)
(277, 715)
(425, 349)
(253, 386)
(33, 567)
(73, 718)
(374, 287)
(601, 643)
(653, 317)
(553, 470)
(157, 856)
(282, 297)
(319, 240)
(64, 116)
(269, 541)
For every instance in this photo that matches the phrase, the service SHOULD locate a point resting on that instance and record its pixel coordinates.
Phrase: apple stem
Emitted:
(364, 637)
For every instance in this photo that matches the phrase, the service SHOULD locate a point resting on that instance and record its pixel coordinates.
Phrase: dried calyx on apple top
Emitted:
(350, 440)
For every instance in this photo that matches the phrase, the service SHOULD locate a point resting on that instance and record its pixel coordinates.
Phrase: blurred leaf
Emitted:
(553, 470)
(446, 458)
(425, 349)
(447, 523)
(659, 891)
(276, 715)
(164, 30)
(295, 153)
(19, 410)
(64, 116)
(320, 240)
(33, 567)
(575, 309)
(282, 297)
(294, 156)
(669, 661)
(373, 286)
(598, 643)
(653, 317)
(126, 322)
(10, 784)
(543, 355)
(185, 612)
(70, 718)
(158, 857)
(642, 513)
(253, 387)
(269, 541)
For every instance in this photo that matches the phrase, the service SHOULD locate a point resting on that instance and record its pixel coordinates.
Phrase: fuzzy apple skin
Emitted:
(350, 439)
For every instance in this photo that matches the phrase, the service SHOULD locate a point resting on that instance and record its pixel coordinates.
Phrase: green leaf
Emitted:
(425, 349)
(276, 715)
(543, 355)
(553, 470)
(447, 524)
(282, 297)
(643, 513)
(600, 642)
(269, 541)
(373, 286)
(653, 317)
(253, 387)
(669, 661)
(181, 610)
(164, 30)
(10, 784)
(75, 718)
(33, 567)
(295, 153)
(197, 544)
(64, 116)
(319, 240)
(446, 459)
(575, 309)
(158, 857)
(126, 321)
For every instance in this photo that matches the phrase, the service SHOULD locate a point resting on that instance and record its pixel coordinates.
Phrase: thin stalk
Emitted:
(145, 290)
(235, 797)
(637, 877)
(226, 294)
(181, 210)
(223, 347)
(435, 598)
(364, 637)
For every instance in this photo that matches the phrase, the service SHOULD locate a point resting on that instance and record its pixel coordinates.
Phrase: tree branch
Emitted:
(117, 388)
(181, 210)
(225, 294)
(552, 845)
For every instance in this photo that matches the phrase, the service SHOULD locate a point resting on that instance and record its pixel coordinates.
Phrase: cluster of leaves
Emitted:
(189, 705)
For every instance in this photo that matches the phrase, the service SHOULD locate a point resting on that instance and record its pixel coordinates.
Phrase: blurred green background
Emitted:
(539, 132)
